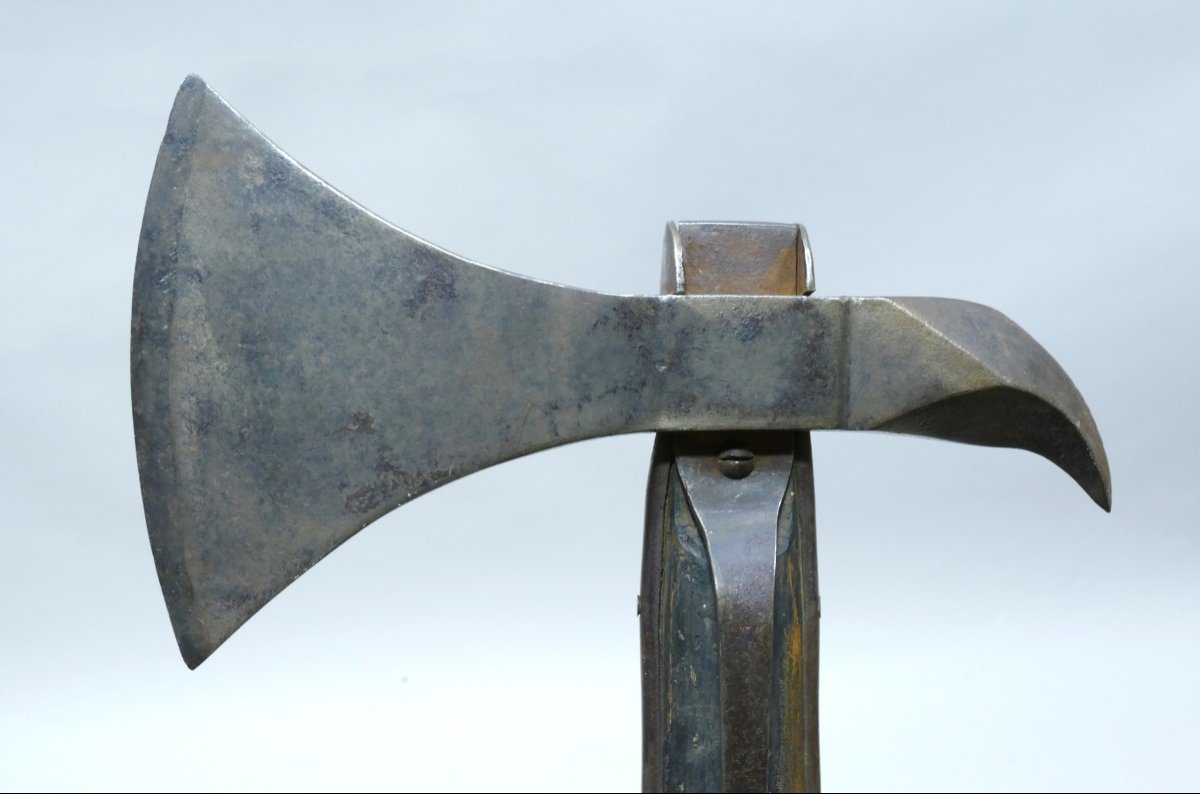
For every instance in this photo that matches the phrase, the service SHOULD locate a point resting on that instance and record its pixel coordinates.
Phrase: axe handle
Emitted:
(731, 718)
(682, 717)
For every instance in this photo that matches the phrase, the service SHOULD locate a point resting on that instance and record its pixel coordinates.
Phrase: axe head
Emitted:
(300, 367)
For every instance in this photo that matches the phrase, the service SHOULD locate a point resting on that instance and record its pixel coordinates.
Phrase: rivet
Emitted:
(736, 463)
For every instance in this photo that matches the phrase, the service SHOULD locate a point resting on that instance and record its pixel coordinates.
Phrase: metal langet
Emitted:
(300, 368)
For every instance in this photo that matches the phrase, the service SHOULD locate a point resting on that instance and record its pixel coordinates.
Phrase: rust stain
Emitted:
(721, 260)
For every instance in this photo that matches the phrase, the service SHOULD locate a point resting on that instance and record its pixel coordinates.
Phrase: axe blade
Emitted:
(300, 368)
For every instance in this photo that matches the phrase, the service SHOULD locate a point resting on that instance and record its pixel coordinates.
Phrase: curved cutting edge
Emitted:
(300, 368)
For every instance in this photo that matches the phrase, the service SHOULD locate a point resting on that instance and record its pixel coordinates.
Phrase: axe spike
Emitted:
(301, 367)
(1008, 391)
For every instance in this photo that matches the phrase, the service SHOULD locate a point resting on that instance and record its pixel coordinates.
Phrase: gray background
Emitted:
(985, 626)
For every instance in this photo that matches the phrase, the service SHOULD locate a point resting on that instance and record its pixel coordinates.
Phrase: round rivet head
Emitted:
(736, 463)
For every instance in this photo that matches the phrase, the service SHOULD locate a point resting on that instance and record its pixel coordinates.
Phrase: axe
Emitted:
(300, 367)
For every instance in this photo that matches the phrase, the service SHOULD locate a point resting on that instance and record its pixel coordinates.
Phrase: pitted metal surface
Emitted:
(300, 368)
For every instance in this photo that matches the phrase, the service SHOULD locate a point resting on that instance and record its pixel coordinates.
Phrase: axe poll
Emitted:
(300, 367)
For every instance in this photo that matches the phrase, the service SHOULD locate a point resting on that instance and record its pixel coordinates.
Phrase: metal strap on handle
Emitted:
(736, 502)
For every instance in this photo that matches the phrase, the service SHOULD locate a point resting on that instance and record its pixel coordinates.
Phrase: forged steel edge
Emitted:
(300, 368)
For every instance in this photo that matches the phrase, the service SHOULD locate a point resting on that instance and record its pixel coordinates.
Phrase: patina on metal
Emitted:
(300, 368)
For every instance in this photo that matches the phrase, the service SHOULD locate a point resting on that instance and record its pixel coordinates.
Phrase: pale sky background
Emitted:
(985, 625)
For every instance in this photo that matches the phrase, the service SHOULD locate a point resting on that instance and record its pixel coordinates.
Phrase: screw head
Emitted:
(736, 463)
